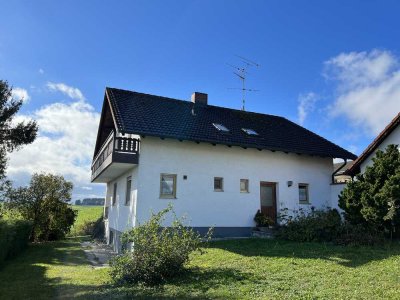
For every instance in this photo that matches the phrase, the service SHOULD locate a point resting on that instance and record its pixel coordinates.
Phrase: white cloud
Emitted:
(72, 92)
(20, 93)
(368, 88)
(306, 105)
(67, 133)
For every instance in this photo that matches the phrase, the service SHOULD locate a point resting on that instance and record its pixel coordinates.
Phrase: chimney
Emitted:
(199, 98)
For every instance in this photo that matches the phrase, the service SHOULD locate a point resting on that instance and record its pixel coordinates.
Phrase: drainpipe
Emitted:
(335, 172)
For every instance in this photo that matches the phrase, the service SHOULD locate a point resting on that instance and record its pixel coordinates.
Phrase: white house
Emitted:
(217, 166)
(389, 135)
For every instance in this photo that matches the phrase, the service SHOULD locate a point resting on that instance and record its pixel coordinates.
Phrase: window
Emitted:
(303, 193)
(114, 197)
(244, 185)
(218, 184)
(168, 186)
(221, 127)
(128, 190)
(250, 131)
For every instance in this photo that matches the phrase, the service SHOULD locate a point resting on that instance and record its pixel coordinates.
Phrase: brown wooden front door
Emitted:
(268, 199)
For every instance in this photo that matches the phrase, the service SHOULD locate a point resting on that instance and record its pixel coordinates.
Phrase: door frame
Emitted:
(275, 201)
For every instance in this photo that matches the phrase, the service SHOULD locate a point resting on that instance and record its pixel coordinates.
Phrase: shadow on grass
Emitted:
(193, 284)
(24, 277)
(346, 256)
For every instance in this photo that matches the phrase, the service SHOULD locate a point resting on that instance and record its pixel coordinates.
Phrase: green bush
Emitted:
(14, 237)
(158, 252)
(317, 226)
(94, 228)
(358, 235)
(262, 220)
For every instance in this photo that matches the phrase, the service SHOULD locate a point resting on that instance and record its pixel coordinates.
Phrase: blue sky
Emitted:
(332, 66)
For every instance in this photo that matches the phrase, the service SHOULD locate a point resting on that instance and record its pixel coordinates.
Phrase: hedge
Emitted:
(14, 237)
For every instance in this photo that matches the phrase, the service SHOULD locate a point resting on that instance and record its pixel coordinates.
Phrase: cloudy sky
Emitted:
(333, 67)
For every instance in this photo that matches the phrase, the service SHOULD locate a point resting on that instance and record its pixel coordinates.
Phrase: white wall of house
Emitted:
(393, 138)
(121, 216)
(336, 189)
(202, 162)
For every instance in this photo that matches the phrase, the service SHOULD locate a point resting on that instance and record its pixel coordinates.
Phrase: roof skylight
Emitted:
(250, 131)
(221, 127)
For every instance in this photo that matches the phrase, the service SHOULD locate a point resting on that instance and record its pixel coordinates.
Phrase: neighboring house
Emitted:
(340, 172)
(216, 165)
(390, 135)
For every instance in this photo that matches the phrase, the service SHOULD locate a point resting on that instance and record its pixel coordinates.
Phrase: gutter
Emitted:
(335, 172)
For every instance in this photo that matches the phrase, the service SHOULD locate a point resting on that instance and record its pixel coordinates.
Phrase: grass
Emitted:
(85, 213)
(236, 269)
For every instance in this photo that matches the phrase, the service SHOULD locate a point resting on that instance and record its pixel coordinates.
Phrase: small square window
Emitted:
(249, 131)
(303, 193)
(218, 184)
(168, 186)
(114, 197)
(128, 190)
(244, 185)
(221, 127)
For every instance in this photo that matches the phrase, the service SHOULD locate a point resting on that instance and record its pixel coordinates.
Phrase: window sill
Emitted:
(244, 192)
(168, 197)
(304, 203)
(218, 190)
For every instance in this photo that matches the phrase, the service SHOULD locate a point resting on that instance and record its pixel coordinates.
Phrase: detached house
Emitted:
(217, 166)
(389, 135)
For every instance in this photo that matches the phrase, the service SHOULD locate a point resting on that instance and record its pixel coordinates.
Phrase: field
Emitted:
(85, 213)
(236, 269)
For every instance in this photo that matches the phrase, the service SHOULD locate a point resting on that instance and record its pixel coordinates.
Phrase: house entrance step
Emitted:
(264, 232)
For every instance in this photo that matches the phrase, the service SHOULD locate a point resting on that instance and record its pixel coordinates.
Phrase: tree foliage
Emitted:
(13, 135)
(45, 203)
(373, 198)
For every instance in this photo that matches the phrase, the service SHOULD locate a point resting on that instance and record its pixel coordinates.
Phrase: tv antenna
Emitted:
(241, 72)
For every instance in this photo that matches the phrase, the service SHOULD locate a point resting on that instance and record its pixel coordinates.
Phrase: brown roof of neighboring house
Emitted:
(355, 168)
(343, 170)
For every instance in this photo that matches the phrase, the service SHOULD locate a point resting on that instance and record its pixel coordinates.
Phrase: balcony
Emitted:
(115, 157)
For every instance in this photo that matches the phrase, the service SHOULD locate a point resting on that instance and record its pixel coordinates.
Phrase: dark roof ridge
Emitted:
(189, 102)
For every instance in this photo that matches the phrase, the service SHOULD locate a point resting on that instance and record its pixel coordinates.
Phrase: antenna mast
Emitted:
(241, 72)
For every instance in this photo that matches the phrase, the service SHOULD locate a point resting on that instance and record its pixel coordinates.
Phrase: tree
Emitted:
(45, 203)
(374, 197)
(78, 202)
(12, 135)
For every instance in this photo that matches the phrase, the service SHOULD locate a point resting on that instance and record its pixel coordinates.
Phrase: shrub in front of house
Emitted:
(14, 237)
(94, 228)
(317, 226)
(158, 253)
(263, 220)
(359, 235)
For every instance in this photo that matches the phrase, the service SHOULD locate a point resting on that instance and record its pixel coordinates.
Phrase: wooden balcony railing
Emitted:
(121, 149)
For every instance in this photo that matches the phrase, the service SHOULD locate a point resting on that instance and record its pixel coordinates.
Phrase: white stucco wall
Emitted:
(393, 138)
(336, 189)
(202, 162)
(121, 216)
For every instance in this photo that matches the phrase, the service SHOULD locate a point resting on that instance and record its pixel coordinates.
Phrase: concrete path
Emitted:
(98, 254)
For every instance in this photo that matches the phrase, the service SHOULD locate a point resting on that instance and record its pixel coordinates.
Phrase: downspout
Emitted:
(335, 172)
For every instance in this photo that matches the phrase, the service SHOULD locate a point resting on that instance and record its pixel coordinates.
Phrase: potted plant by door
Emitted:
(263, 222)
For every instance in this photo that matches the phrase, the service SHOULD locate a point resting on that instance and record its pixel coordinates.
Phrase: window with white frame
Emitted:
(244, 185)
(218, 184)
(303, 193)
(128, 190)
(168, 186)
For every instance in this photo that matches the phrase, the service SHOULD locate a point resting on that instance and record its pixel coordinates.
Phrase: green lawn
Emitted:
(85, 213)
(236, 269)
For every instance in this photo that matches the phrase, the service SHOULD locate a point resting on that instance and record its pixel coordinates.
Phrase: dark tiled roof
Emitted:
(355, 168)
(150, 115)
